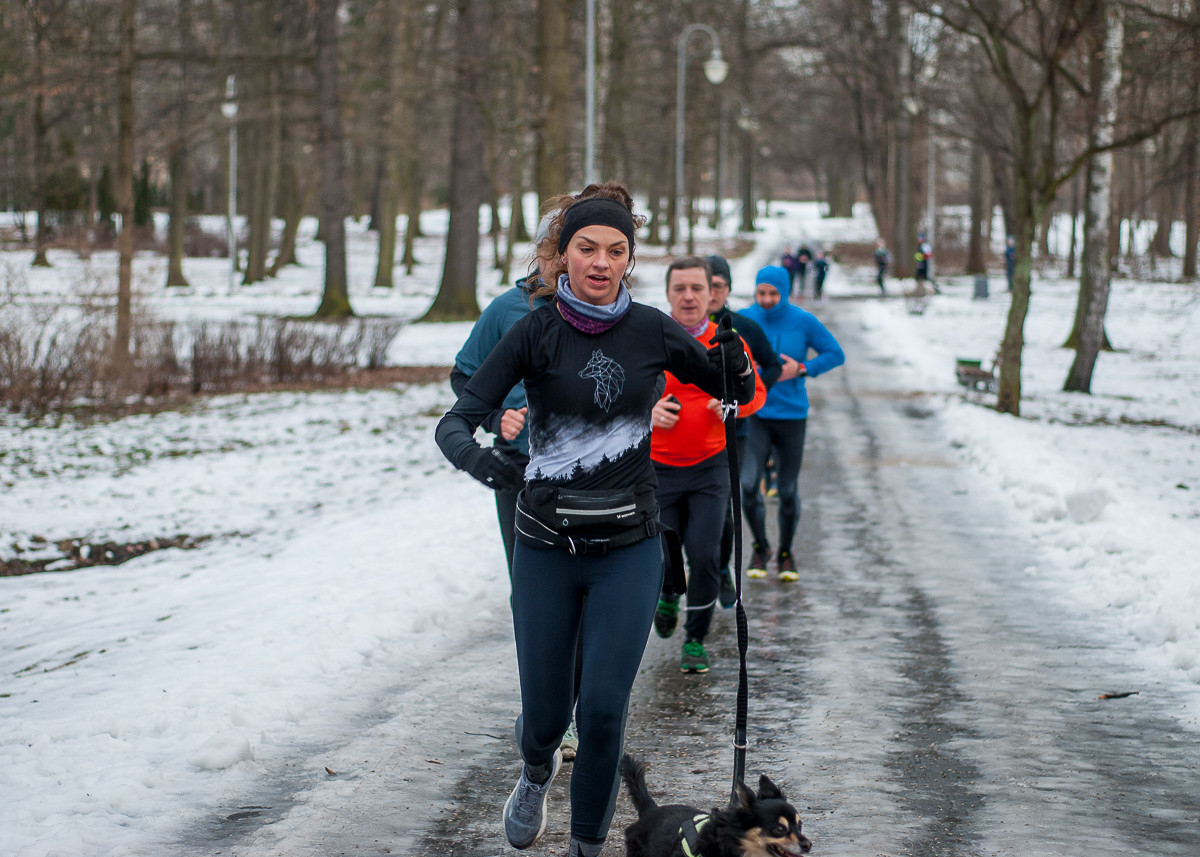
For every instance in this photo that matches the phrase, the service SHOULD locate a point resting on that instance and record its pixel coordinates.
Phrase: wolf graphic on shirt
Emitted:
(565, 445)
(609, 378)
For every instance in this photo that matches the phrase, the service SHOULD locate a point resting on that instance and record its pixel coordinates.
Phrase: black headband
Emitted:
(595, 211)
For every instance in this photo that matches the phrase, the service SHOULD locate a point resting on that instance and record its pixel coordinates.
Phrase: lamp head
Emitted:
(715, 68)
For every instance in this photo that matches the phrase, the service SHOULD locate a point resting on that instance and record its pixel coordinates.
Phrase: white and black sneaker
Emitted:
(525, 809)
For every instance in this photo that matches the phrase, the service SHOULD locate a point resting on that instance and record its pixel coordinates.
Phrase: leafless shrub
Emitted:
(377, 335)
(198, 242)
(47, 365)
(58, 357)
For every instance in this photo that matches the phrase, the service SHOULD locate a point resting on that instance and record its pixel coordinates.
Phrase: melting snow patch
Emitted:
(1087, 504)
(223, 750)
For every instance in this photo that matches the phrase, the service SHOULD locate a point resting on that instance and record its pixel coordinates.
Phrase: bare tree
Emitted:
(335, 301)
(554, 89)
(125, 63)
(456, 295)
(1094, 285)
(179, 156)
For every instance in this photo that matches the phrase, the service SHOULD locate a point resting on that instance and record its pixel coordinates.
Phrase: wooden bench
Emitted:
(971, 375)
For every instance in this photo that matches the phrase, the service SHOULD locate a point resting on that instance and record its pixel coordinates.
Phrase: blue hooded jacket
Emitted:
(795, 332)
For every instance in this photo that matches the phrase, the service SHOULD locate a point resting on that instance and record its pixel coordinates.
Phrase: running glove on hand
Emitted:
(491, 467)
(728, 352)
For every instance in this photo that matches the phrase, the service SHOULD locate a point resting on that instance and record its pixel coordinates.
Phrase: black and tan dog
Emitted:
(753, 825)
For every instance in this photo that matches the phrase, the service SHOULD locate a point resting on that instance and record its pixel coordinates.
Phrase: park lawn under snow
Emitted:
(334, 547)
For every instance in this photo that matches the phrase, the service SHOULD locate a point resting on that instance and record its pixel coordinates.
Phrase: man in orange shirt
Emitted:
(687, 446)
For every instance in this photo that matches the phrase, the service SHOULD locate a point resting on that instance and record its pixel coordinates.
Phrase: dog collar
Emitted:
(689, 834)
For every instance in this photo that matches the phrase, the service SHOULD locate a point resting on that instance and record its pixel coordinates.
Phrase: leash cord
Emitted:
(729, 412)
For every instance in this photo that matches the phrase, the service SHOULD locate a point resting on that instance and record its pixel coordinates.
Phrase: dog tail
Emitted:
(633, 773)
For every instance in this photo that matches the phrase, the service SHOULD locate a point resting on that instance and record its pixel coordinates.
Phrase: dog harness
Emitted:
(689, 834)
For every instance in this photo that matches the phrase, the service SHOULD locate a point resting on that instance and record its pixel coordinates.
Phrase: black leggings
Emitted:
(692, 501)
(786, 437)
(606, 603)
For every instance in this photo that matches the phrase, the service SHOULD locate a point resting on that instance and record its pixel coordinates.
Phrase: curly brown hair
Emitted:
(547, 251)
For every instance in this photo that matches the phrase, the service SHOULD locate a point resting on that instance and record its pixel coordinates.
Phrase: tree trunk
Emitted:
(456, 296)
(41, 158)
(1096, 208)
(518, 231)
(413, 191)
(386, 199)
(1164, 196)
(125, 61)
(264, 183)
(1191, 212)
(295, 203)
(749, 203)
(179, 161)
(839, 188)
(179, 212)
(335, 302)
(901, 239)
(555, 77)
(976, 260)
(1073, 246)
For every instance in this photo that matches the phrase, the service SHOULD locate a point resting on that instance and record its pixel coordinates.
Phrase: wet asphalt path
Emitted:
(920, 691)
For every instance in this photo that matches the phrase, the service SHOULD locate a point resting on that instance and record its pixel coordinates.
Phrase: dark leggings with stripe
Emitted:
(786, 438)
(607, 604)
(692, 501)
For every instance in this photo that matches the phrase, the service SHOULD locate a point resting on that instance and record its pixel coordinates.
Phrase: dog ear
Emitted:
(742, 798)
(767, 790)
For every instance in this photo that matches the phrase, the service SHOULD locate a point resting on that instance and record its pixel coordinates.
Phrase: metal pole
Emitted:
(715, 222)
(680, 78)
(233, 167)
(930, 195)
(589, 167)
(680, 91)
(229, 110)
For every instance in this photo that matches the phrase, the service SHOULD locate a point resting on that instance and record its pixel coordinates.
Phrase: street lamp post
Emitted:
(589, 160)
(229, 109)
(715, 69)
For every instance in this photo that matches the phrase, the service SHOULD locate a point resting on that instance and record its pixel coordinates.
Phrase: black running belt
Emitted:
(735, 497)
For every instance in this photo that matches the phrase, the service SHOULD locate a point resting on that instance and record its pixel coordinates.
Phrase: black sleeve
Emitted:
(483, 395)
(458, 383)
(764, 355)
(689, 362)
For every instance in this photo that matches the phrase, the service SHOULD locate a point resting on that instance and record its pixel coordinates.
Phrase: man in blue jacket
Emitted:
(795, 334)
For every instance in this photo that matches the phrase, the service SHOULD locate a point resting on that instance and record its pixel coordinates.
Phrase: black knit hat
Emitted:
(720, 268)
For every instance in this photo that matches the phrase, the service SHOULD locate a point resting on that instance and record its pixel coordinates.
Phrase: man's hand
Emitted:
(665, 413)
(791, 368)
(511, 423)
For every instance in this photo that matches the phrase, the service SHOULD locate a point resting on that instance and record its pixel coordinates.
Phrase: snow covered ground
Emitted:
(337, 549)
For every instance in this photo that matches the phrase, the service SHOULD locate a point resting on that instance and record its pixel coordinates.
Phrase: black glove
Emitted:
(728, 353)
(492, 467)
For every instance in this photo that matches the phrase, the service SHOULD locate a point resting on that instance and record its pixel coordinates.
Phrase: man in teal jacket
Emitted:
(807, 349)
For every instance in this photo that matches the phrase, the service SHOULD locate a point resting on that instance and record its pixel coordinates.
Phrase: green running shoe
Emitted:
(695, 659)
(666, 616)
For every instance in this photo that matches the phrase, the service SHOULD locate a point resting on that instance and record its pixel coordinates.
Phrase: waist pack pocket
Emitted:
(574, 512)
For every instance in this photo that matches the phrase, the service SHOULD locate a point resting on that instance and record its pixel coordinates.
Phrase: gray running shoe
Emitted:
(525, 809)
(570, 742)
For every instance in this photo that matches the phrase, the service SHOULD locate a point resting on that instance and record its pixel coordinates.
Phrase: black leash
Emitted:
(729, 413)
(743, 635)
